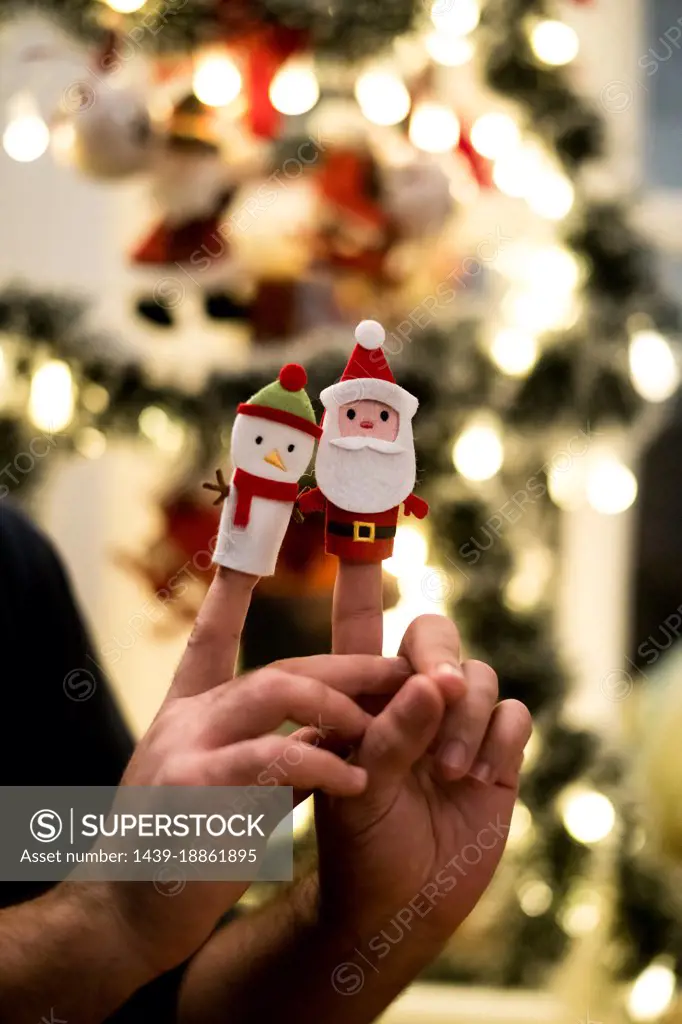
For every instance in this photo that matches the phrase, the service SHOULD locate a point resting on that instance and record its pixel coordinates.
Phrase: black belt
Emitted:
(362, 532)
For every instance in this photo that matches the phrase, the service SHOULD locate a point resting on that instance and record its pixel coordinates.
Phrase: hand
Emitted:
(213, 730)
(422, 842)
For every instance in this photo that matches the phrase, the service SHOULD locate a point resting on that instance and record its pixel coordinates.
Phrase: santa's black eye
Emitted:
(351, 414)
(384, 416)
(259, 440)
(291, 448)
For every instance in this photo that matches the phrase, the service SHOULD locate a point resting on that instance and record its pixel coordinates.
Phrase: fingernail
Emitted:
(482, 773)
(447, 669)
(454, 755)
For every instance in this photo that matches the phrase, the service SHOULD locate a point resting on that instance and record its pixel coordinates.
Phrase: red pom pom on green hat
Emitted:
(293, 377)
(285, 401)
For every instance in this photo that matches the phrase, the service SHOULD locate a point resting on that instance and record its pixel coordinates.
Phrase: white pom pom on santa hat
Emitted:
(370, 334)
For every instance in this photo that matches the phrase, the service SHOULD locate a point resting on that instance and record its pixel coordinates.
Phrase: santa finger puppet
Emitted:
(366, 465)
(273, 440)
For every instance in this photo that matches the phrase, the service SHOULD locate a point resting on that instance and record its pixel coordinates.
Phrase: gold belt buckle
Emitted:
(357, 526)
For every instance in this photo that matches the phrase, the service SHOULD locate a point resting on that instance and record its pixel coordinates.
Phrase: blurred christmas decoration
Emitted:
(283, 168)
(26, 136)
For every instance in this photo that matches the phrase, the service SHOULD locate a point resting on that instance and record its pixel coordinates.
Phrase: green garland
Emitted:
(342, 27)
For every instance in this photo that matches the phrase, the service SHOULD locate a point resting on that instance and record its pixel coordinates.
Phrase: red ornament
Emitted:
(481, 168)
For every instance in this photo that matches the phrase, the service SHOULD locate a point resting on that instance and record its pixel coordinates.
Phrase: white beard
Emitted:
(363, 479)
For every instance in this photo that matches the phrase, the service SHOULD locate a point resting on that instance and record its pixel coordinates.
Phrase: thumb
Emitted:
(402, 733)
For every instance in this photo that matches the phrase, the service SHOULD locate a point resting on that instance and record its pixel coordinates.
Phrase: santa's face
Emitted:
(369, 419)
(361, 465)
(270, 450)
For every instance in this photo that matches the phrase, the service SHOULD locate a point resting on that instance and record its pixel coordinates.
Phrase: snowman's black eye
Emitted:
(291, 448)
(259, 440)
(384, 416)
(351, 414)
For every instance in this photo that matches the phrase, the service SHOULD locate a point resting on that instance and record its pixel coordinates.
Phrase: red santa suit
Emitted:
(354, 539)
(356, 473)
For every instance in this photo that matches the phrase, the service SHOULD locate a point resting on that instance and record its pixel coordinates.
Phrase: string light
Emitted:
(514, 352)
(217, 80)
(540, 311)
(652, 992)
(552, 196)
(456, 17)
(566, 484)
(26, 136)
(450, 51)
(582, 912)
(434, 128)
(95, 398)
(51, 400)
(383, 98)
(409, 553)
(611, 487)
(166, 433)
(494, 134)
(125, 6)
(553, 268)
(478, 452)
(588, 816)
(295, 89)
(517, 169)
(91, 443)
(527, 586)
(535, 898)
(653, 367)
(554, 42)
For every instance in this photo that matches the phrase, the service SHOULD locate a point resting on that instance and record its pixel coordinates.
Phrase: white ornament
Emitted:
(110, 130)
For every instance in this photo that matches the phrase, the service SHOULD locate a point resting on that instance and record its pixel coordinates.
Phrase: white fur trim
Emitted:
(370, 334)
(372, 388)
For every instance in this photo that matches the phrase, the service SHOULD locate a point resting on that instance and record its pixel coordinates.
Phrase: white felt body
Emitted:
(255, 548)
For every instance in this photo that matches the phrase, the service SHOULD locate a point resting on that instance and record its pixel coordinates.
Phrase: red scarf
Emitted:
(250, 487)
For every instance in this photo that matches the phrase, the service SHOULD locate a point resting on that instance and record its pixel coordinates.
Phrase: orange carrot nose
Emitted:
(273, 458)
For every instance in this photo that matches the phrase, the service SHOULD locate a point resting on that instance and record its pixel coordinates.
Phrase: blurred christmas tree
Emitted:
(433, 130)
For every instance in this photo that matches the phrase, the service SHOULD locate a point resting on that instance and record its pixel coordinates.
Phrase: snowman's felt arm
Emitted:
(312, 500)
(415, 506)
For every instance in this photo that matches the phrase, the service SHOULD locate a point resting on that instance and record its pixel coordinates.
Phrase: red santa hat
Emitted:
(368, 375)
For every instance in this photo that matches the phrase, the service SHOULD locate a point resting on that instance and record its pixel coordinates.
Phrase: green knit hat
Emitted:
(285, 401)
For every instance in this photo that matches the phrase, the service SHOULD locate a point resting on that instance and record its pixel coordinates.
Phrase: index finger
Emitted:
(358, 613)
(211, 654)
(433, 648)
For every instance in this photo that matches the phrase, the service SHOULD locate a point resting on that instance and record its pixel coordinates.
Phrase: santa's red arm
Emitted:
(312, 500)
(415, 506)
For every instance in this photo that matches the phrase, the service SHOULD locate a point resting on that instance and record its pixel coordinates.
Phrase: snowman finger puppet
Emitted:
(273, 440)
(366, 464)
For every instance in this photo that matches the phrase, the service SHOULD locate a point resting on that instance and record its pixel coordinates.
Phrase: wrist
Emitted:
(97, 919)
(66, 949)
(398, 932)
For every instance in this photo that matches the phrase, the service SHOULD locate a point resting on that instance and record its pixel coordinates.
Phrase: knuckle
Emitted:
(204, 634)
(179, 771)
(269, 684)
